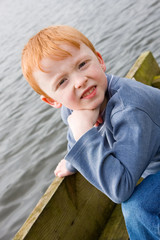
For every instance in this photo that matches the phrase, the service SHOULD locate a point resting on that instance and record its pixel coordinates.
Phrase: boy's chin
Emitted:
(87, 107)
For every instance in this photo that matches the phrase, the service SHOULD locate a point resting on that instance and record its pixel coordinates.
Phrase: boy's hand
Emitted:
(80, 121)
(61, 170)
(99, 121)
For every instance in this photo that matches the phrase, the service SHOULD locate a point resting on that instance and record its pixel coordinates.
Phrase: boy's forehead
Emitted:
(74, 53)
(46, 64)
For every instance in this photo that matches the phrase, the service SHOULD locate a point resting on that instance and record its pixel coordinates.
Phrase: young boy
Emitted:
(114, 123)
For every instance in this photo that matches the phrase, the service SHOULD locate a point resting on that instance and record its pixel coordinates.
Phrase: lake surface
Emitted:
(32, 136)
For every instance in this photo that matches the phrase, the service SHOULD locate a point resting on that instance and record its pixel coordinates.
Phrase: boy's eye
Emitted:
(82, 64)
(62, 81)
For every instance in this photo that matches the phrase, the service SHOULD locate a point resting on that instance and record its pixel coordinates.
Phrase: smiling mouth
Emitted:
(89, 93)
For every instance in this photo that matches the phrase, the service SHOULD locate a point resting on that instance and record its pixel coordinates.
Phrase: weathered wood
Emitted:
(71, 208)
(119, 232)
(144, 69)
(156, 81)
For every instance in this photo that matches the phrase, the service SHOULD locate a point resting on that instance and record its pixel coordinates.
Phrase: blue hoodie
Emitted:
(114, 155)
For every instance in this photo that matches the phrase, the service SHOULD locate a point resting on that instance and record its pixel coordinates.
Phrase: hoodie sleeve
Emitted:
(115, 169)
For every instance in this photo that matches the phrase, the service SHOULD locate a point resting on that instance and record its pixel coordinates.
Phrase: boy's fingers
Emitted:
(61, 170)
(61, 175)
(99, 121)
(96, 124)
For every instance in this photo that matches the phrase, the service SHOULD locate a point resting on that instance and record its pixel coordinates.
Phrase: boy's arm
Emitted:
(66, 168)
(80, 122)
(116, 169)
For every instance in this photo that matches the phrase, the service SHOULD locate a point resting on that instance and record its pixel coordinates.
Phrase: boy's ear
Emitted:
(51, 102)
(101, 61)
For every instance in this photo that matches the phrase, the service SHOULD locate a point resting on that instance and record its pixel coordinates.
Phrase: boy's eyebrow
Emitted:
(81, 59)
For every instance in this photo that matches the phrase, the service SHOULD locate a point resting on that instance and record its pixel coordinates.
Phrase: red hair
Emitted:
(47, 43)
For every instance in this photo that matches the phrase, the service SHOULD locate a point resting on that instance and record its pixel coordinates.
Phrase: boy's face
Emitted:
(78, 82)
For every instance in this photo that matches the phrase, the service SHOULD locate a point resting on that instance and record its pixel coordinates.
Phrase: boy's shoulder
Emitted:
(116, 82)
(127, 93)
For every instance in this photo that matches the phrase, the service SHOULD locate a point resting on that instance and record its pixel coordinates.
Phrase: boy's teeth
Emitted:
(89, 92)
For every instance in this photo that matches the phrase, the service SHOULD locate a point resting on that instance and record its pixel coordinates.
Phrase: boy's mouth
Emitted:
(89, 93)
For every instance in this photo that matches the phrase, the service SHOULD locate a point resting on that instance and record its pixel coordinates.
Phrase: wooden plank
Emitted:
(144, 69)
(119, 232)
(73, 210)
(156, 81)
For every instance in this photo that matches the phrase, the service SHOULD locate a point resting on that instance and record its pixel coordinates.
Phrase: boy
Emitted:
(114, 123)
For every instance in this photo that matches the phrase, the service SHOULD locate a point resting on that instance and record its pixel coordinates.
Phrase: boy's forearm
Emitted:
(79, 129)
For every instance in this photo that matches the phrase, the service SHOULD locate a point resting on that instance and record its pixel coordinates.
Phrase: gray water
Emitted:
(32, 136)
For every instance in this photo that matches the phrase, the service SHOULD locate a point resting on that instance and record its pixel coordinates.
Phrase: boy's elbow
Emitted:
(121, 197)
(122, 190)
(119, 193)
(120, 200)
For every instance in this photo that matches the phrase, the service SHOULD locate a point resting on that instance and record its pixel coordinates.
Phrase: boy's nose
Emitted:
(80, 81)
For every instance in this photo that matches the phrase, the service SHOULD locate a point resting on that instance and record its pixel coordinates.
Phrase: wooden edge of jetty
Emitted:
(71, 208)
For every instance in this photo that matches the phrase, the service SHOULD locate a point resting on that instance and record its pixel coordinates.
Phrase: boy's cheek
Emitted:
(97, 73)
(69, 101)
